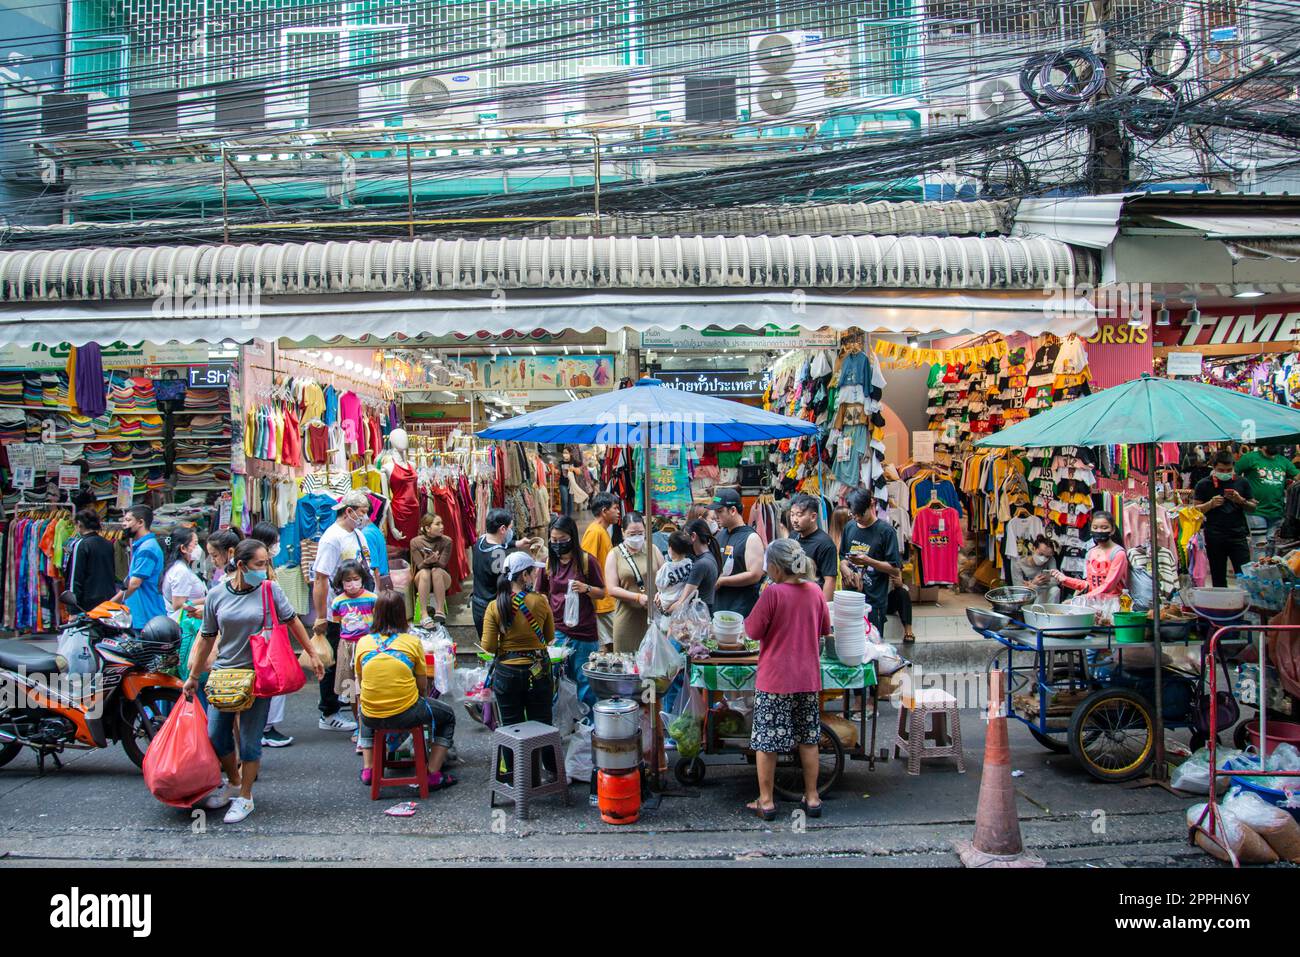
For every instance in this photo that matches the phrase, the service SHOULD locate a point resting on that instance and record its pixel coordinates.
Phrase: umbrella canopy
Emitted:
(673, 417)
(1149, 410)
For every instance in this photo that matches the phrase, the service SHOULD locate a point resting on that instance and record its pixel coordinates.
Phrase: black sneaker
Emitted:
(271, 738)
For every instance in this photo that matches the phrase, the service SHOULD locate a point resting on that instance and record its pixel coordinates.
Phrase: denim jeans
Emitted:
(582, 650)
(221, 730)
(675, 689)
(429, 712)
(1263, 529)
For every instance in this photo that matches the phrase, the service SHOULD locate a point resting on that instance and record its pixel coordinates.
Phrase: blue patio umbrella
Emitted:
(648, 414)
(1148, 411)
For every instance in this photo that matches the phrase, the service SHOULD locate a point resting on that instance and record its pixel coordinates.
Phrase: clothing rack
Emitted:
(378, 393)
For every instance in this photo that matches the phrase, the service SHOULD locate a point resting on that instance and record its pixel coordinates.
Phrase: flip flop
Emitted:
(445, 781)
(812, 810)
(766, 814)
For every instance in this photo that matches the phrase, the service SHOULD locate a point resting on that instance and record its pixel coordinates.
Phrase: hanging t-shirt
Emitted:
(937, 533)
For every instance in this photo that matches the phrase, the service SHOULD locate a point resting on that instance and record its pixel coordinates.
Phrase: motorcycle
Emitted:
(105, 683)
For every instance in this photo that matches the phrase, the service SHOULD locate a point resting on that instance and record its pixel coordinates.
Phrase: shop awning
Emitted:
(350, 316)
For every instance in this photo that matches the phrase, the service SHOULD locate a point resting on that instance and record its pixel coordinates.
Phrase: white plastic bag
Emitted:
(571, 607)
(568, 709)
(74, 648)
(1193, 775)
(1277, 827)
(656, 657)
(577, 755)
(1232, 833)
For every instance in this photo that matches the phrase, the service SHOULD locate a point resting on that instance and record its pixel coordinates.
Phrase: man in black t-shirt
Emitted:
(1225, 498)
(742, 555)
(816, 544)
(487, 560)
(91, 565)
(869, 555)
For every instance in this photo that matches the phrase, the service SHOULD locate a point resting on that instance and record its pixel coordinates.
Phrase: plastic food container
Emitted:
(1219, 599)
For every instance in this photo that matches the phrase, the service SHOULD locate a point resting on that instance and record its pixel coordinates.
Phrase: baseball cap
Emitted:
(725, 497)
(354, 499)
(519, 562)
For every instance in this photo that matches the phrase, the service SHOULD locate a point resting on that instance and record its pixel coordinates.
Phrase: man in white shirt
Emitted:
(340, 542)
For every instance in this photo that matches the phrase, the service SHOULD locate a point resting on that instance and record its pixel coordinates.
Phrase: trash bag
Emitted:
(1193, 775)
(577, 755)
(468, 684)
(568, 709)
(180, 767)
(74, 648)
(572, 608)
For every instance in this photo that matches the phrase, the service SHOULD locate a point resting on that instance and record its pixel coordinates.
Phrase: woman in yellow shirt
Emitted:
(394, 681)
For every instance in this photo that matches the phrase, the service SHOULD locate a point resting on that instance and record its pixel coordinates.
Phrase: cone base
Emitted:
(973, 857)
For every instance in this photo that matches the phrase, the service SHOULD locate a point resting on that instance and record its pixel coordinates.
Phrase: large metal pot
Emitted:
(616, 718)
(616, 754)
(612, 686)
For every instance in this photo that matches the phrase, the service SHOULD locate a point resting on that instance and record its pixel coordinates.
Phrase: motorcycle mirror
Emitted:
(69, 601)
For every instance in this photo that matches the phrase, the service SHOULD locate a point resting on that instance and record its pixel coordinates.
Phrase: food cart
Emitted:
(716, 677)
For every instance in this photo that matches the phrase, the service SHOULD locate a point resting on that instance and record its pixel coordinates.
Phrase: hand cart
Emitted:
(716, 677)
(1207, 823)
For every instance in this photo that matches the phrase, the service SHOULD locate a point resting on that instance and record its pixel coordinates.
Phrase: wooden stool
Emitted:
(380, 751)
(526, 741)
(942, 740)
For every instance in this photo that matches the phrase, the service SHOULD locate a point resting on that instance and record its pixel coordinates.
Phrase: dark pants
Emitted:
(329, 701)
(1219, 551)
(900, 604)
(430, 712)
(520, 697)
(479, 610)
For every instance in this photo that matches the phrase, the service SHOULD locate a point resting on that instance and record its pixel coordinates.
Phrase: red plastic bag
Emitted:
(180, 767)
(275, 666)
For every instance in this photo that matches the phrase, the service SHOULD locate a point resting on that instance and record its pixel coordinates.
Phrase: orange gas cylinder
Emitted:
(619, 796)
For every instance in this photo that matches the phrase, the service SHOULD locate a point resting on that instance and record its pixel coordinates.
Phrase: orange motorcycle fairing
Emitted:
(137, 682)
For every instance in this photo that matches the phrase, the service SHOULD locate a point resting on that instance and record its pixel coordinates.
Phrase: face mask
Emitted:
(352, 587)
(525, 586)
(713, 526)
(275, 550)
(1040, 559)
(510, 537)
(560, 549)
(253, 577)
(1223, 476)
(1101, 538)
(635, 542)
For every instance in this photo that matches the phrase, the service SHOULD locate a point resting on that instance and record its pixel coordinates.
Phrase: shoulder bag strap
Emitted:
(266, 605)
(640, 582)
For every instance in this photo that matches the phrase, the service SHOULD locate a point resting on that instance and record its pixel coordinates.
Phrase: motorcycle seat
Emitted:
(16, 653)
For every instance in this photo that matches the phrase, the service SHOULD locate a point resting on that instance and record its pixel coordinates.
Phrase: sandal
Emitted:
(811, 810)
(444, 780)
(767, 814)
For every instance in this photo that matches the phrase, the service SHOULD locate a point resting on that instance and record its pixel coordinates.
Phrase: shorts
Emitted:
(430, 712)
(605, 628)
(783, 721)
(345, 670)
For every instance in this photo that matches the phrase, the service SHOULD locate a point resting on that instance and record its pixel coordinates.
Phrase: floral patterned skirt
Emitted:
(782, 721)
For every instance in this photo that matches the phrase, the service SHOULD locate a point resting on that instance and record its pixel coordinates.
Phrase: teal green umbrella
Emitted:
(1149, 411)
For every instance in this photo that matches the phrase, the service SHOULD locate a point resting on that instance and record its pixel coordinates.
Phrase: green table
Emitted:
(836, 676)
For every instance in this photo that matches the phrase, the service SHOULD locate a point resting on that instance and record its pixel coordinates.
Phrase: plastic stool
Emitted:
(380, 751)
(526, 741)
(942, 740)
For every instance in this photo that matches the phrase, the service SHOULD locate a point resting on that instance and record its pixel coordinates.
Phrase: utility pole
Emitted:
(1108, 152)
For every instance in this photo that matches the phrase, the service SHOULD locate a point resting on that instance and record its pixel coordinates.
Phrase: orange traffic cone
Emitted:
(997, 826)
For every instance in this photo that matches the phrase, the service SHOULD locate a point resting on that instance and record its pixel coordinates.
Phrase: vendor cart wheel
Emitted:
(1058, 745)
(789, 773)
(1112, 734)
(689, 771)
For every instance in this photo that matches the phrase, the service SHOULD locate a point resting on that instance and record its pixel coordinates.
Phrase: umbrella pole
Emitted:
(1159, 770)
(656, 747)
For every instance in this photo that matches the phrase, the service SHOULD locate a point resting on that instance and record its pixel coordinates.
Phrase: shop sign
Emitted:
(210, 376)
(723, 382)
(116, 355)
(24, 477)
(766, 339)
(1183, 363)
(1119, 352)
(520, 373)
(535, 337)
(1243, 325)
(69, 476)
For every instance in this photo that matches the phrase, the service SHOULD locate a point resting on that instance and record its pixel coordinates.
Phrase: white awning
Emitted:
(351, 315)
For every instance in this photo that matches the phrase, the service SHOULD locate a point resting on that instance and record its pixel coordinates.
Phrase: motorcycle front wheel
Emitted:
(140, 724)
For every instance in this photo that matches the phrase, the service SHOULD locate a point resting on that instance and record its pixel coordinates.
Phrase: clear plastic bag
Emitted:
(572, 607)
(656, 657)
(1193, 775)
(568, 709)
(468, 684)
(687, 727)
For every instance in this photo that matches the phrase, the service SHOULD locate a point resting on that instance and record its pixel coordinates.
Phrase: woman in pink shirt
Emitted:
(1106, 574)
(788, 623)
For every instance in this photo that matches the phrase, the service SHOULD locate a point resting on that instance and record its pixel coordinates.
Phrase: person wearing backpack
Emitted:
(394, 680)
(568, 566)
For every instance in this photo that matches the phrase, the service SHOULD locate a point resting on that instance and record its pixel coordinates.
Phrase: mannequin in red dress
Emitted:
(400, 490)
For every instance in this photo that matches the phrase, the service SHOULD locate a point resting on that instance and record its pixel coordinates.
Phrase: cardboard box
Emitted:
(928, 595)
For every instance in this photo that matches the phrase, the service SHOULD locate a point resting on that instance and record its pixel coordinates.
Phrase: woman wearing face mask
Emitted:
(517, 627)
(181, 588)
(233, 612)
(1035, 571)
(1106, 573)
(221, 551)
(568, 565)
(627, 568)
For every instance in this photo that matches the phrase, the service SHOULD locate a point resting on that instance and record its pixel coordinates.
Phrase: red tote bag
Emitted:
(180, 767)
(275, 666)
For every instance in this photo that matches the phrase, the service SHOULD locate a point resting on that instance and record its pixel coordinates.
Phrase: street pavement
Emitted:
(311, 809)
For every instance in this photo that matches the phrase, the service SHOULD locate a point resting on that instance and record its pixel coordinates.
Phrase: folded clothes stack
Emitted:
(54, 390)
(131, 396)
(190, 476)
(32, 390)
(207, 427)
(207, 400)
(13, 426)
(136, 427)
(11, 388)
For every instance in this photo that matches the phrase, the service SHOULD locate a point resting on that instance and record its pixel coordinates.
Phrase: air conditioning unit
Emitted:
(531, 104)
(444, 100)
(788, 77)
(997, 97)
(611, 94)
(705, 98)
(153, 111)
(196, 111)
(82, 114)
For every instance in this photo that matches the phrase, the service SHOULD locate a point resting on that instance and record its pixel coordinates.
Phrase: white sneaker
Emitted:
(338, 721)
(218, 798)
(240, 808)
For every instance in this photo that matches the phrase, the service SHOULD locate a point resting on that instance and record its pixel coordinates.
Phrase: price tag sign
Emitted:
(24, 477)
(923, 446)
(70, 477)
(53, 458)
(125, 491)
(223, 516)
(22, 455)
